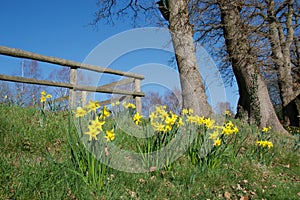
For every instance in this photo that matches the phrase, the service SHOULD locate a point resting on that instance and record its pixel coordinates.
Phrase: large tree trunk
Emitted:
(254, 102)
(193, 93)
(280, 42)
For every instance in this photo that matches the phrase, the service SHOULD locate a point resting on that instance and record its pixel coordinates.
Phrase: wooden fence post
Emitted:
(138, 100)
(72, 93)
(83, 97)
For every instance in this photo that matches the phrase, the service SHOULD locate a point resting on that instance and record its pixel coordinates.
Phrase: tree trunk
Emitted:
(193, 93)
(297, 102)
(280, 43)
(254, 103)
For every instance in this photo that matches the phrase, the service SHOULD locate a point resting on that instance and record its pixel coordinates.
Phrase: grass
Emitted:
(36, 163)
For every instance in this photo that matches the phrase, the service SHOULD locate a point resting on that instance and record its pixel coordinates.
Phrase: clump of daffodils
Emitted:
(293, 130)
(162, 120)
(220, 131)
(187, 111)
(229, 128)
(264, 144)
(262, 140)
(128, 105)
(45, 96)
(263, 151)
(195, 119)
(95, 126)
(217, 132)
(117, 103)
(266, 129)
(228, 113)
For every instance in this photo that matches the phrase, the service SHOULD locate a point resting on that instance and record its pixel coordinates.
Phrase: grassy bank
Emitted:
(36, 163)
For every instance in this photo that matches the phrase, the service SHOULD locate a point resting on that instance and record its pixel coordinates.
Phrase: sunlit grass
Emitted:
(36, 163)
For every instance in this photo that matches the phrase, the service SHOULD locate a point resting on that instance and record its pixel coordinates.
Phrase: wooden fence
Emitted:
(74, 66)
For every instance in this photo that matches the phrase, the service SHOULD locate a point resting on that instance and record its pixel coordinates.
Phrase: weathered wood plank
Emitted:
(70, 86)
(108, 90)
(13, 52)
(117, 83)
(113, 100)
(61, 99)
(102, 103)
(34, 81)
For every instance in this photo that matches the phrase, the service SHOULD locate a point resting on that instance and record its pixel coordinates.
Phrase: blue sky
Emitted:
(57, 28)
(61, 28)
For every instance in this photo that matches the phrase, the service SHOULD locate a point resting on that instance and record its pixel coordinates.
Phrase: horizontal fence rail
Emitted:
(102, 89)
(67, 63)
(108, 88)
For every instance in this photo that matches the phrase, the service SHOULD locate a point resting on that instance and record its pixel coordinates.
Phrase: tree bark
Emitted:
(280, 42)
(193, 92)
(254, 103)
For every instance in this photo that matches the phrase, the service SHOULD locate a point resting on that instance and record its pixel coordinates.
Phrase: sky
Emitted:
(61, 28)
(57, 28)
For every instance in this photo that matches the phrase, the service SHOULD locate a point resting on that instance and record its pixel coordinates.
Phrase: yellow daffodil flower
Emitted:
(131, 105)
(93, 134)
(97, 125)
(214, 135)
(180, 122)
(217, 142)
(227, 113)
(110, 135)
(105, 112)
(80, 112)
(137, 118)
(209, 123)
(43, 99)
(93, 106)
(152, 116)
(158, 127)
